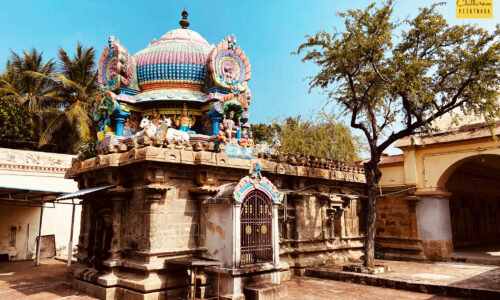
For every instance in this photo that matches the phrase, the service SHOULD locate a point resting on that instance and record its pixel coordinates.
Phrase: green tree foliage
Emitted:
(317, 136)
(34, 94)
(58, 96)
(263, 132)
(394, 80)
(14, 125)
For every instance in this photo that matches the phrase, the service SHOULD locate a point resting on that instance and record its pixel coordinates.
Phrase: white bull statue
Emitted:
(172, 133)
(177, 135)
(148, 128)
(163, 132)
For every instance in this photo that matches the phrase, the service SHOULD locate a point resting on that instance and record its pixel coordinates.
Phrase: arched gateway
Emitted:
(440, 197)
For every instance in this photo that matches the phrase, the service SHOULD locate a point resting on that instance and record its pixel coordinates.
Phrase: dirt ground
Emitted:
(24, 280)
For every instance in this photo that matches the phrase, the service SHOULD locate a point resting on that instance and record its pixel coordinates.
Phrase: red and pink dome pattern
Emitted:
(178, 59)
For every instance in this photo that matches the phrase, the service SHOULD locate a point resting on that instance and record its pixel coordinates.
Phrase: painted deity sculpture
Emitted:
(229, 126)
(185, 121)
(106, 107)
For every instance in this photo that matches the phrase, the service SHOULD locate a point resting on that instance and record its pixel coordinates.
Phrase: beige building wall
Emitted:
(22, 171)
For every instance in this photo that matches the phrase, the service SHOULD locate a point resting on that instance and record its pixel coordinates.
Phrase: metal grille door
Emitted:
(256, 233)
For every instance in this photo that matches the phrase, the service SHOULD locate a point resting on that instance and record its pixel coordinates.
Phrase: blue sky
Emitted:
(268, 31)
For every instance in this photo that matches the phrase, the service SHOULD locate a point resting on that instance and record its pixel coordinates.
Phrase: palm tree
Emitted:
(76, 85)
(34, 93)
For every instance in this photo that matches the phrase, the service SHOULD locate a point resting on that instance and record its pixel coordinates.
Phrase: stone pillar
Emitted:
(339, 223)
(276, 235)
(236, 217)
(434, 226)
(151, 241)
(412, 204)
(83, 238)
(118, 196)
(300, 215)
(324, 201)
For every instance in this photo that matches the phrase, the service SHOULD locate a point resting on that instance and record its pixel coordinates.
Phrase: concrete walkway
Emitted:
(440, 278)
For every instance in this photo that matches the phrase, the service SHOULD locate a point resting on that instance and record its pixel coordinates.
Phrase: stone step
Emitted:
(265, 291)
(436, 289)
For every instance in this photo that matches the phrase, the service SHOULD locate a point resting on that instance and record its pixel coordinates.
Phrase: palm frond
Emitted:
(68, 82)
(53, 126)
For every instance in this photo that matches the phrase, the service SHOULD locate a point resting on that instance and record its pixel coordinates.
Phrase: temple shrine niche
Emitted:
(180, 201)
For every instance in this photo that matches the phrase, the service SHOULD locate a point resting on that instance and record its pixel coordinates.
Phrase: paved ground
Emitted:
(307, 288)
(23, 280)
(439, 278)
(445, 273)
(485, 254)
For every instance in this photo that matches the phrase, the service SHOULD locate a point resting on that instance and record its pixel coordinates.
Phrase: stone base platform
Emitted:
(265, 291)
(439, 278)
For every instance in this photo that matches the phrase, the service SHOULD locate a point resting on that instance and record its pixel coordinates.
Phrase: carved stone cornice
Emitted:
(119, 191)
(153, 192)
(34, 162)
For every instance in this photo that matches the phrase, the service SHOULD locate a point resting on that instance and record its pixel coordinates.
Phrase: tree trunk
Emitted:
(373, 175)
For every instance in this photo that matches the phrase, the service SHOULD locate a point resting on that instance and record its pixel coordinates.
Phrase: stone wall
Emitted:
(397, 228)
(318, 229)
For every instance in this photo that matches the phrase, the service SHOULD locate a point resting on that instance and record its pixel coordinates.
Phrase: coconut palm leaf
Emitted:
(54, 125)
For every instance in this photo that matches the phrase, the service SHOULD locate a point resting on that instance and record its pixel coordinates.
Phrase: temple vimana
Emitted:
(180, 197)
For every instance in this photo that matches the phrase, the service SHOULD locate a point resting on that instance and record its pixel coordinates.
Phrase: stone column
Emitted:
(339, 222)
(276, 235)
(324, 201)
(83, 238)
(236, 217)
(434, 226)
(151, 241)
(300, 214)
(118, 195)
(412, 203)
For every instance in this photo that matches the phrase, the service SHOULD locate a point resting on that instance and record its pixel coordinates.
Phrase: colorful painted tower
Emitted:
(179, 77)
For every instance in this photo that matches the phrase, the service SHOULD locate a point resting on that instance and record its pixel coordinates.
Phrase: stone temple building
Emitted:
(179, 201)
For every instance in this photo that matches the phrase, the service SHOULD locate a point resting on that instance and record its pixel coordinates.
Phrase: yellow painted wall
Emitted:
(393, 175)
(424, 166)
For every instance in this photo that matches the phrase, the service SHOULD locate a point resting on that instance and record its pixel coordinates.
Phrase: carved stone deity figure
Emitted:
(185, 121)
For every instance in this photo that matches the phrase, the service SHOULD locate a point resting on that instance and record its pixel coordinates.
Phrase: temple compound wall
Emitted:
(167, 206)
(440, 195)
(26, 179)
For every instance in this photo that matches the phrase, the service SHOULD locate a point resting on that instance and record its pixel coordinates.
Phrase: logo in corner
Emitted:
(474, 9)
